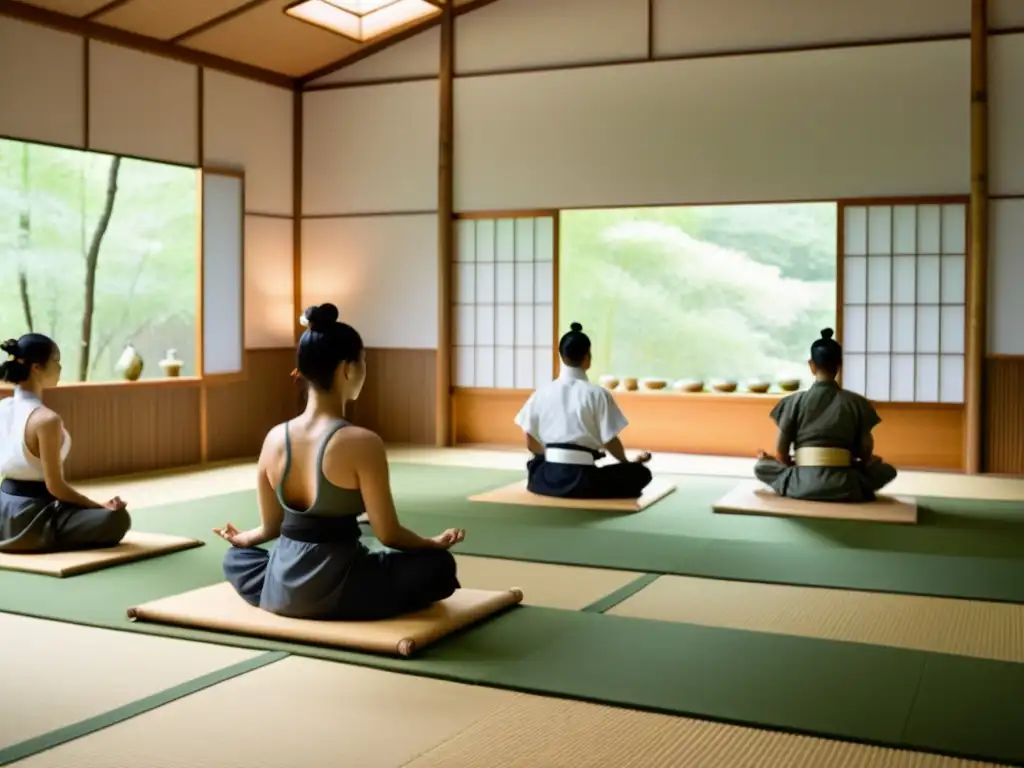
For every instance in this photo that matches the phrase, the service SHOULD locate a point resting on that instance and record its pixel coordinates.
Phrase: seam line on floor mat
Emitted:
(91, 725)
(622, 593)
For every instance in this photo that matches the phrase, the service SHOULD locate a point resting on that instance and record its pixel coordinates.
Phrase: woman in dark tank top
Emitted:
(317, 474)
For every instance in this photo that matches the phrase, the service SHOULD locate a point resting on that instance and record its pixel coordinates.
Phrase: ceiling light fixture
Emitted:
(362, 20)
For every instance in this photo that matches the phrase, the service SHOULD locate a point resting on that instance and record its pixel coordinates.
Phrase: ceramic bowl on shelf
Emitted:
(758, 386)
(609, 382)
(654, 385)
(789, 385)
(724, 385)
(629, 384)
(688, 385)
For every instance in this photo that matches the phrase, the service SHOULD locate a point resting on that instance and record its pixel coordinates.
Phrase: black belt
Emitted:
(572, 447)
(29, 489)
(319, 529)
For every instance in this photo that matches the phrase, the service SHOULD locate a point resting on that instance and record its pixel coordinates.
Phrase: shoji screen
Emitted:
(503, 293)
(223, 273)
(903, 326)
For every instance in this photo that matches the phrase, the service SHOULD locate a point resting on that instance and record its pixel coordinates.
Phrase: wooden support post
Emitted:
(445, 229)
(977, 276)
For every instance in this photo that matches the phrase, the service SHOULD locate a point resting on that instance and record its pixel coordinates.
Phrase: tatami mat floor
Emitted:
(309, 712)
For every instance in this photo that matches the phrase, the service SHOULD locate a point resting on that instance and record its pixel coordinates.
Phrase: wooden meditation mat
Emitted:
(516, 493)
(219, 608)
(752, 497)
(134, 546)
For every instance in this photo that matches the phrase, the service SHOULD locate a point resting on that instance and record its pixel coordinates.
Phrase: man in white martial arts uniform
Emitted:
(569, 424)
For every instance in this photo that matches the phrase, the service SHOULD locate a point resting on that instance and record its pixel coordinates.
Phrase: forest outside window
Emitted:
(700, 295)
(100, 252)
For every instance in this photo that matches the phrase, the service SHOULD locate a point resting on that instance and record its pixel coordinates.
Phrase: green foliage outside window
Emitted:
(131, 225)
(702, 292)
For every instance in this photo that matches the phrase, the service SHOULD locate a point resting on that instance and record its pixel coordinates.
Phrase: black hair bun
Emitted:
(827, 333)
(322, 315)
(575, 327)
(10, 346)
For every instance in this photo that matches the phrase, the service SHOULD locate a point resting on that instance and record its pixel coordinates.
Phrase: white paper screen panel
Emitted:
(904, 301)
(1006, 135)
(503, 302)
(523, 34)
(574, 138)
(41, 84)
(143, 105)
(248, 126)
(1006, 276)
(381, 272)
(1003, 14)
(688, 27)
(370, 149)
(223, 273)
(419, 56)
(268, 282)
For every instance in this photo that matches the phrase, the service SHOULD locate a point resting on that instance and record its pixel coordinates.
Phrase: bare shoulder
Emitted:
(43, 418)
(353, 440)
(274, 438)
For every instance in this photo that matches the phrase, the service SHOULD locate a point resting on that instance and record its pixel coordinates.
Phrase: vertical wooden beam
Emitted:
(977, 274)
(204, 410)
(297, 131)
(445, 228)
(650, 30)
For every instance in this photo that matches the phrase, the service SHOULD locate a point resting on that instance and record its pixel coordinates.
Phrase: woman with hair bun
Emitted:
(39, 510)
(569, 424)
(317, 474)
(830, 429)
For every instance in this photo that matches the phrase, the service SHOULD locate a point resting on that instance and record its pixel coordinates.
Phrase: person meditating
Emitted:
(317, 473)
(830, 428)
(39, 511)
(568, 424)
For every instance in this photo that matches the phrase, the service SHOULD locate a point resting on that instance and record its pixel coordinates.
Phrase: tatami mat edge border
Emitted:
(55, 738)
(622, 593)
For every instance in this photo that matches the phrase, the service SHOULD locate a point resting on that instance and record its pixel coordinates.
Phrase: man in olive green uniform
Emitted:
(830, 429)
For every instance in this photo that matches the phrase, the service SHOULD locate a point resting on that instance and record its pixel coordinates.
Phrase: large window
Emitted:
(732, 292)
(99, 252)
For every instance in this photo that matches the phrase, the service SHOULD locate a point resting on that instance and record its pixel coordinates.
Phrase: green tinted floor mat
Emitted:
(960, 548)
(842, 690)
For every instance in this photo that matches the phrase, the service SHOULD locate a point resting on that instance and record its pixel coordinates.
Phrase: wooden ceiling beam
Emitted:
(104, 8)
(94, 31)
(370, 49)
(218, 20)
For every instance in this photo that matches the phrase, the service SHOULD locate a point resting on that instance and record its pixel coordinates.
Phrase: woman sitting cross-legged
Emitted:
(39, 510)
(317, 474)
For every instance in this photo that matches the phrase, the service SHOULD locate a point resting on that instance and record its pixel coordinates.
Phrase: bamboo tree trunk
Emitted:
(92, 258)
(25, 237)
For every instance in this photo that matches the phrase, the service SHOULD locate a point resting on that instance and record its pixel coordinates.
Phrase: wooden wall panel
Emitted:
(397, 401)
(917, 436)
(1004, 415)
(119, 429)
(240, 413)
